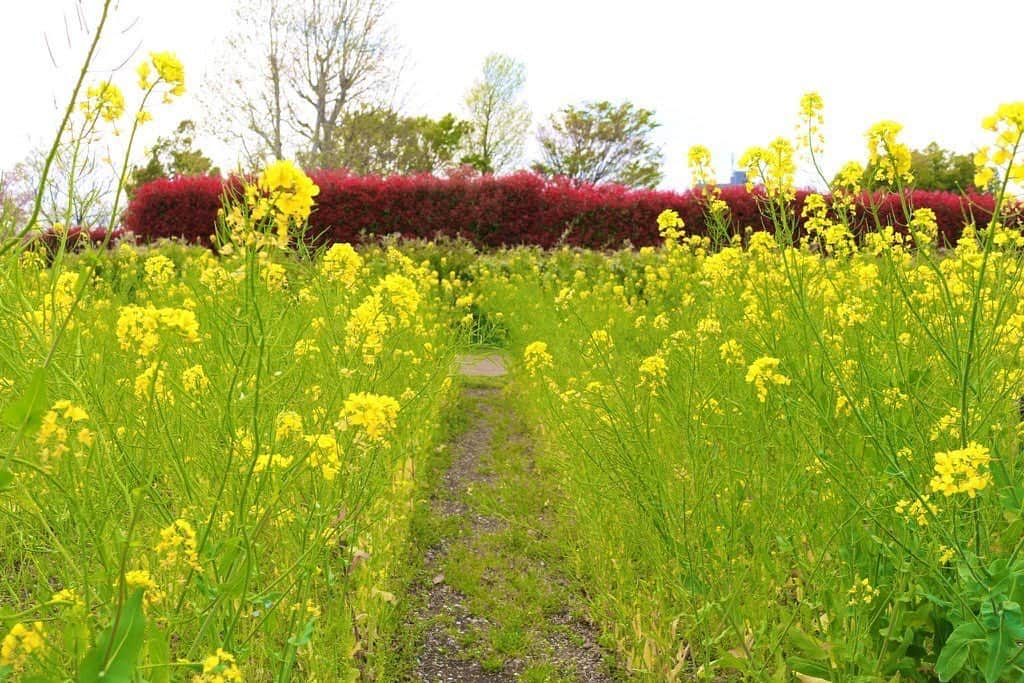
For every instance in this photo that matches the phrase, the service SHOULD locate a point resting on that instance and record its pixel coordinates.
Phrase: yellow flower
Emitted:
(773, 167)
(731, 352)
(194, 380)
(762, 372)
(341, 264)
(178, 544)
(219, 667)
(286, 424)
(924, 227)
(375, 414)
(862, 591)
(290, 194)
(366, 328)
(699, 160)
(20, 643)
(962, 471)
(890, 158)
(325, 454)
(670, 227)
(140, 578)
(170, 71)
(139, 327)
(401, 293)
(1008, 125)
(653, 373)
(812, 120)
(536, 357)
(66, 596)
(150, 385)
(917, 510)
(159, 271)
(145, 72)
(103, 100)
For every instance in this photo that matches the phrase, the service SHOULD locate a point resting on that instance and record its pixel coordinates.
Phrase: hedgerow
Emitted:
(518, 209)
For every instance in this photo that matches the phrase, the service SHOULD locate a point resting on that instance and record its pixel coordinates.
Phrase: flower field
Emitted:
(214, 460)
(784, 447)
(778, 463)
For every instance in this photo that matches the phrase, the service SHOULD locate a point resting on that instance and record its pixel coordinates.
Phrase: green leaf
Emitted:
(124, 645)
(954, 654)
(27, 412)
(809, 647)
(158, 651)
(305, 635)
(6, 477)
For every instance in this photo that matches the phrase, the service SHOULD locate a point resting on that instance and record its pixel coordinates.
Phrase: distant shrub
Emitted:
(490, 211)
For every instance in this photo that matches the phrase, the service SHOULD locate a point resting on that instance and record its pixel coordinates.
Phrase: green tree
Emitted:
(172, 156)
(601, 142)
(935, 168)
(499, 117)
(380, 141)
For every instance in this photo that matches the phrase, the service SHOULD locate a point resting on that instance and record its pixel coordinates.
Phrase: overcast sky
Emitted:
(724, 74)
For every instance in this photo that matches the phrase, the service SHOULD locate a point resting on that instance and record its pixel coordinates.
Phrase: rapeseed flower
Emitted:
(178, 545)
(219, 667)
(20, 643)
(890, 157)
(375, 415)
(536, 357)
(962, 471)
(763, 372)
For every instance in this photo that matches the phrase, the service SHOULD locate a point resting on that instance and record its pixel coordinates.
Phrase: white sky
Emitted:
(724, 74)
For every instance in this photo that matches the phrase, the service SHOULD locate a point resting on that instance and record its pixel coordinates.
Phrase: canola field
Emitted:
(781, 456)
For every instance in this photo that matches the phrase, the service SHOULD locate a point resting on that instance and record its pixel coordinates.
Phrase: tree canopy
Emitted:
(599, 142)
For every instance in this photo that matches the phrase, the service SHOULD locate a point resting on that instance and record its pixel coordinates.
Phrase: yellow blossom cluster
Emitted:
(536, 357)
(341, 264)
(773, 167)
(220, 667)
(194, 380)
(918, 509)
(159, 271)
(325, 453)
(762, 373)
(698, 158)
(135, 579)
(139, 327)
(889, 157)
(862, 592)
(374, 415)
(53, 435)
(169, 71)
(653, 373)
(1008, 125)
(20, 643)
(103, 101)
(178, 546)
(962, 471)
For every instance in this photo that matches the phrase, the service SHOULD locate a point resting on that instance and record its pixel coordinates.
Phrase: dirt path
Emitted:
(492, 602)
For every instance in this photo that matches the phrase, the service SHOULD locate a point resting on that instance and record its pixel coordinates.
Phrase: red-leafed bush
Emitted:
(75, 238)
(496, 211)
(179, 207)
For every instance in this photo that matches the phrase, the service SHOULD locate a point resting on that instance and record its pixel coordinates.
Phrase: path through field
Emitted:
(492, 601)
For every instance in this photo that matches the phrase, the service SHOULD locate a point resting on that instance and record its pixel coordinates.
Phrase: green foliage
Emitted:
(173, 156)
(499, 117)
(115, 655)
(601, 142)
(935, 168)
(380, 141)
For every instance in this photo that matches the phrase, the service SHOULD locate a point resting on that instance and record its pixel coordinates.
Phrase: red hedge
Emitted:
(494, 211)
